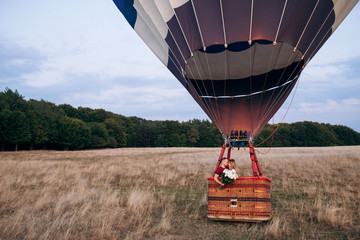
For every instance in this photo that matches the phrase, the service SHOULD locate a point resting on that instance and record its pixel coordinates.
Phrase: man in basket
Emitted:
(224, 164)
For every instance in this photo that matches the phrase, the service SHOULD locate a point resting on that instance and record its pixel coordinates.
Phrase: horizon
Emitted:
(182, 121)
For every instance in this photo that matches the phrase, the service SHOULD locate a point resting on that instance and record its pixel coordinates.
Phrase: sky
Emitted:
(84, 53)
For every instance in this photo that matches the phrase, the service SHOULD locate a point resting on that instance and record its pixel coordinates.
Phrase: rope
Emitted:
(226, 70)
(310, 18)
(272, 53)
(318, 33)
(282, 15)
(197, 22)
(271, 104)
(272, 140)
(278, 97)
(317, 47)
(220, 123)
(251, 19)
(312, 13)
(297, 84)
(211, 109)
(215, 112)
(226, 73)
(181, 72)
(182, 31)
(255, 93)
(252, 59)
(216, 116)
(305, 51)
(266, 78)
(223, 23)
(206, 104)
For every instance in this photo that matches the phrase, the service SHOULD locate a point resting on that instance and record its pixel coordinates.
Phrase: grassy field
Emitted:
(161, 193)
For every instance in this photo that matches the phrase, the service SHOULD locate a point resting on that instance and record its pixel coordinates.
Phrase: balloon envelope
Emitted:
(239, 60)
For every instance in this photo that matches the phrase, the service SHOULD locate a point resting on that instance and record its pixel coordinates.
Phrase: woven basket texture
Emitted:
(246, 199)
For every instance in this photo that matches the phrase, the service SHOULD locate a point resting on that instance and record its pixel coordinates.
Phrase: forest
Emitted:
(33, 124)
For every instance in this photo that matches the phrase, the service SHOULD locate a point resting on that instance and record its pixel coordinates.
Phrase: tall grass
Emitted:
(161, 193)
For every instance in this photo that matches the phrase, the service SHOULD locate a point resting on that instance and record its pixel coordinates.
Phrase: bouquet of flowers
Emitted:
(227, 177)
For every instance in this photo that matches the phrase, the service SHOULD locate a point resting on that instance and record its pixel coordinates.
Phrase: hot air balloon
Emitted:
(239, 60)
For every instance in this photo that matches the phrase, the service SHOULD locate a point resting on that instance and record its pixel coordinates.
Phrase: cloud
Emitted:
(330, 80)
(155, 100)
(342, 46)
(91, 58)
(43, 78)
(352, 101)
(326, 72)
(330, 106)
(146, 94)
(105, 47)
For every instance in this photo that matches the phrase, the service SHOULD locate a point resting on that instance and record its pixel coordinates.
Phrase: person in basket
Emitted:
(232, 165)
(224, 164)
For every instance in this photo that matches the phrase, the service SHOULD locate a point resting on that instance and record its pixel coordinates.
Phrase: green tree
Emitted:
(193, 136)
(68, 110)
(74, 133)
(345, 135)
(209, 134)
(171, 135)
(98, 115)
(147, 132)
(49, 119)
(263, 135)
(84, 114)
(2, 101)
(13, 100)
(18, 129)
(117, 134)
(281, 136)
(4, 119)
(37, 128)
(99, 135)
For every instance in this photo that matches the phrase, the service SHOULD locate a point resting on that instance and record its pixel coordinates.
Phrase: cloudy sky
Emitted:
(84, 53)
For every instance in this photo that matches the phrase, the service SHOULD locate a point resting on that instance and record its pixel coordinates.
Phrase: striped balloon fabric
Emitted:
(239, 60)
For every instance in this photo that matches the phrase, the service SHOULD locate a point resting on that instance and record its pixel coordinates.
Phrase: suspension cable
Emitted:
(287, 110)
(211, 109)
(272, 140)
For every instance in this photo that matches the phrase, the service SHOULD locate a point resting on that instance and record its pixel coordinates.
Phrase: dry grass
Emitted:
(161, 193)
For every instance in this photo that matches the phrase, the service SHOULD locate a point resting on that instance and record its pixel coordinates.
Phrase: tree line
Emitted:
(32, 124)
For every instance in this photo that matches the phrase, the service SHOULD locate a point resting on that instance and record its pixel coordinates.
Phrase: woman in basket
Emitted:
(232, 165)
(224, 164)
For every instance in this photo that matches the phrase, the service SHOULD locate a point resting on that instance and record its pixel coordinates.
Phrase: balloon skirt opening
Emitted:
(247, 199)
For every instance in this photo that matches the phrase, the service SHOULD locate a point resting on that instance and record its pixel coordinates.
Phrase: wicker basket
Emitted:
(247, 199)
